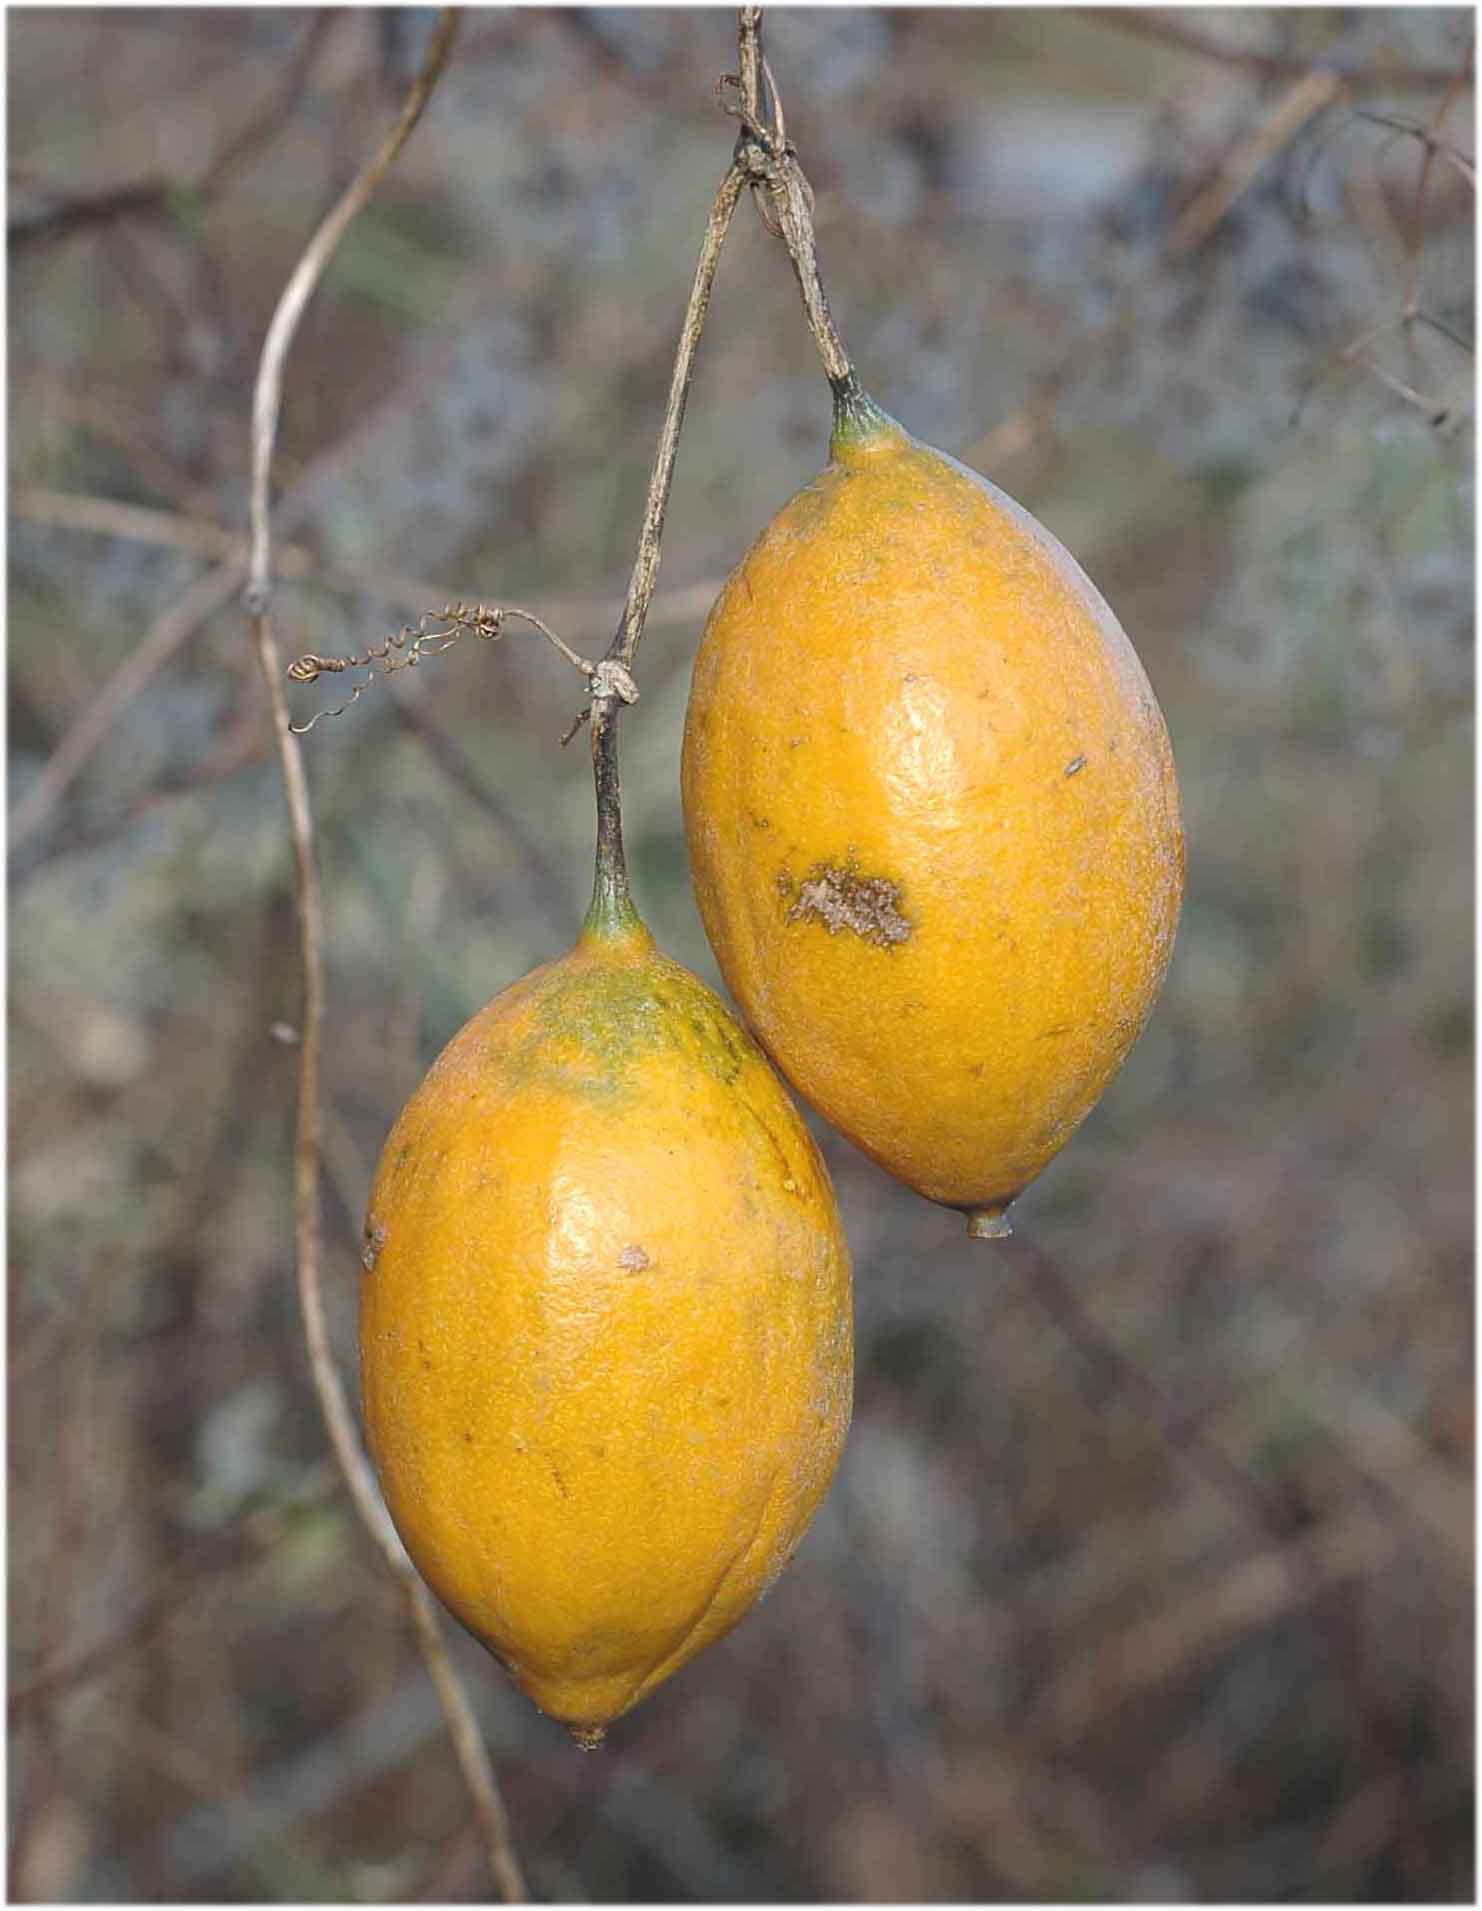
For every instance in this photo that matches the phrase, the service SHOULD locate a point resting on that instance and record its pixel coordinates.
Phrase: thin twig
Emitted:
(183, 619)
(477, 1772)
(1443, 330)
(134, 444)
(1415, 238)
(783, 194)
(172, 530)
(172, 628)
(53, 217)
(259, 131)
(144, 524)
(78, 211)
(72, 1513)
(268, 396)
(1290, 1568)
(1183, 1435)
(340, 1423)
(66, 1670)
(456, 764)
(194, 1767)
(1349, 354)
(624, 646)
(1124, 1665)
(1437, 412)
(1175, 30)
(468, 1744)
(1413, 130)
(749, 59)
(1314, 93)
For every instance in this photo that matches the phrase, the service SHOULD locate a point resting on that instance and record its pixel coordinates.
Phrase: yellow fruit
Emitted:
(605, 1324)
(932, 817)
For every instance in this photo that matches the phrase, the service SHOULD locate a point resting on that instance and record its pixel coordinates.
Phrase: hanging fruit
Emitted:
(932, 816)
(606, 1324)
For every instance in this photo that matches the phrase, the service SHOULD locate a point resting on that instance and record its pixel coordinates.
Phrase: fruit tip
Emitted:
(989, 1224)
(588, 1737)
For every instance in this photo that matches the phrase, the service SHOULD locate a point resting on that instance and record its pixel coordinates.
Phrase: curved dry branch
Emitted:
(268, 396)
(339, 1421)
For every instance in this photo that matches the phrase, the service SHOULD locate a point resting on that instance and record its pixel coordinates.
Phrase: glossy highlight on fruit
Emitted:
(606, 1332)
(932, 816)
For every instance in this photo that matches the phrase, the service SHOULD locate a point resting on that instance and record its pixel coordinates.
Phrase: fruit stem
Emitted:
(771, 164)
(857, 418)
(611, 909)
(624, 646)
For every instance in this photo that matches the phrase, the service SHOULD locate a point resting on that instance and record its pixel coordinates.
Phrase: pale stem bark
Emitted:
(339, 1421)
(268, 396)
(624, 646)
(771, 166)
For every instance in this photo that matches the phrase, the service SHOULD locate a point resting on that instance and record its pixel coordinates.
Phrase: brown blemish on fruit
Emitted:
(1075, 763)
(841, 899)
(370, 1253)
(633, 1259)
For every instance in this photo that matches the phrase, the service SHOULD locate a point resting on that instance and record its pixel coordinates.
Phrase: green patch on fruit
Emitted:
(596, 1020)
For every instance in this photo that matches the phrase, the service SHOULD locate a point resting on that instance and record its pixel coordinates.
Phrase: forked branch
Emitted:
(784, 198)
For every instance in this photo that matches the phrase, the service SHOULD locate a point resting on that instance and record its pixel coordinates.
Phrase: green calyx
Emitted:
(610, 915)
(858, 420)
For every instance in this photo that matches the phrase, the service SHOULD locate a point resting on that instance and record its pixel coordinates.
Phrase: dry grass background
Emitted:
(1030, 1651)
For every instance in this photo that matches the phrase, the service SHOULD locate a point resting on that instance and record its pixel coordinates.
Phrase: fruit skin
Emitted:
(932, 817)
(606, 1333)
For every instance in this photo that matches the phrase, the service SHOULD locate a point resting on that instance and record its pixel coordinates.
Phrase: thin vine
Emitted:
(339, 1422)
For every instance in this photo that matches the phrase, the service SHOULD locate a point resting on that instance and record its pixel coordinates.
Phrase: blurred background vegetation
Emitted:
(1147, 1572)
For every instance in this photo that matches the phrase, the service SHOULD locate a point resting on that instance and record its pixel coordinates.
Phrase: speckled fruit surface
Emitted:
(932, 817)
(606, 1331)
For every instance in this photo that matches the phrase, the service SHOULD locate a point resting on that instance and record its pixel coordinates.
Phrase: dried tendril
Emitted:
(433, 633)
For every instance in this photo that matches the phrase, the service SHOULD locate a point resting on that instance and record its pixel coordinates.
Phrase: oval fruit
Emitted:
(605, 1325)
(932, 817)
